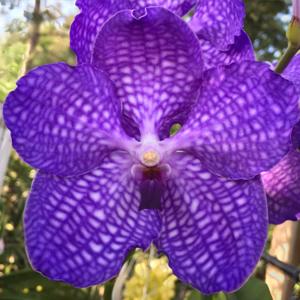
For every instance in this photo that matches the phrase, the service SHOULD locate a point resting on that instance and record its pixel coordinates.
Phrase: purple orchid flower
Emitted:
(282, 182)
(112, 179)
(218, 23)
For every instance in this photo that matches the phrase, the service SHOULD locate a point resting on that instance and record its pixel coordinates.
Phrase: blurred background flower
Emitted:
(152, 279)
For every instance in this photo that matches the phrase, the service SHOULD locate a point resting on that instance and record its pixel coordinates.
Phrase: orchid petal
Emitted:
(213, 229)
(219, 21)
(241, 50)
(282, 182)
(155, 62)
(282, 185)
(94, 13)
(180, 7)
(80, 229)
(86, 25)
(242, 123)
(292, 72)
(64, 120)
(296, 136)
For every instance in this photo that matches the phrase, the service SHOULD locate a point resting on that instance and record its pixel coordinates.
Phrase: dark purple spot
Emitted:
(151, 192)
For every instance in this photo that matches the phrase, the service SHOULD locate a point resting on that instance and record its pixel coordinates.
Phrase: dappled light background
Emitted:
(36, 32)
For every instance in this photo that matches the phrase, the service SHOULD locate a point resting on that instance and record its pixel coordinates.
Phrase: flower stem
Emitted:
(146, 286)
(286, 58)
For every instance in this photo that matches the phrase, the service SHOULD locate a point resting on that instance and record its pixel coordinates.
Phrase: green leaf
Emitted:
(254, 289)
(197, 296)
(108, 290)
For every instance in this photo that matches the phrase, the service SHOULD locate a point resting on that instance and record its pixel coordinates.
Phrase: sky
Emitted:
(14, 9)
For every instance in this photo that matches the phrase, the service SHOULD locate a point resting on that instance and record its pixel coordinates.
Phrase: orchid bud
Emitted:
(293, 33)
(296, 9)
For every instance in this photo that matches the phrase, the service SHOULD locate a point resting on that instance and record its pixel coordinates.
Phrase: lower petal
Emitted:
(80, 229)
(213, 229)
(282, 185)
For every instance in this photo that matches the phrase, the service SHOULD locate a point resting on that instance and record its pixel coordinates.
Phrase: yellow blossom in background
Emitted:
(151, 281)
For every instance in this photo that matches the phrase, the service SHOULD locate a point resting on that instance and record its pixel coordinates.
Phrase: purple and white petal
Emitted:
(155, 62)
(179, 7)
(292, 72)
(85, 4)
(94, 14)
(282, 185)
(87, 24)
(80, 229)
(242, 123)
(213, 229)
(64, 120)
(219, 21)
(241, 50)
(282, 182)
(296, 136)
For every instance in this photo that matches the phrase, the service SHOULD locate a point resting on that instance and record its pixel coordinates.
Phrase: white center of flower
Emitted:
(150, 158)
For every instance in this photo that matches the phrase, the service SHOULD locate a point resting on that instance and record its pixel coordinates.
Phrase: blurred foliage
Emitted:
(53, 46)
(11, 59)
(254, 289)
(265, 25)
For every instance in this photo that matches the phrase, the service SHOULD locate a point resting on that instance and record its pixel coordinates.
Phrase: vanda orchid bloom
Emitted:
(110, 176)
(282, 182)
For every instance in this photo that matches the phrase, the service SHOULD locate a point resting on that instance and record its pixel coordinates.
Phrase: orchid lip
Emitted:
(152, 184)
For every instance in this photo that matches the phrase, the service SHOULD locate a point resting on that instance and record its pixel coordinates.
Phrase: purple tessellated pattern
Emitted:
(296, 136)
(59, 115)
(156, 66)
(110, 178)
(242, 122)
(241, 50)
(80, 229)
(282, 182)
(87, 24)
(95, 13)
(219, 21)
(180, 7)
(282, 185)
(212, 226)
(292, 72)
